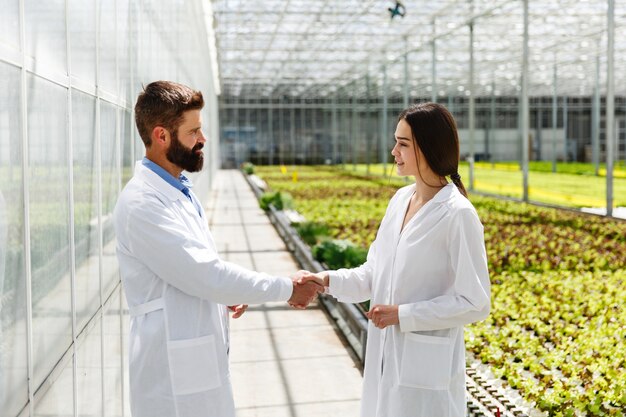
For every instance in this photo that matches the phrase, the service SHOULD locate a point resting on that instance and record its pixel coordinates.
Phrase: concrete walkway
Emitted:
(284, 362)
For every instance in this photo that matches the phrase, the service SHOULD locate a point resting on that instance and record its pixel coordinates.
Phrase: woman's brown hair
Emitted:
(435, 133)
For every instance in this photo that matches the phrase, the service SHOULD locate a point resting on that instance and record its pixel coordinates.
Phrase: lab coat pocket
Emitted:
(426, 362)
(193, 365)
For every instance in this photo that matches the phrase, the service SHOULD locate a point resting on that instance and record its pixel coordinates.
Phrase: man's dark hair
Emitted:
(162, 103)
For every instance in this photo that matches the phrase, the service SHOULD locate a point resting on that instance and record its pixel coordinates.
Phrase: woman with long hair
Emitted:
(425, 276)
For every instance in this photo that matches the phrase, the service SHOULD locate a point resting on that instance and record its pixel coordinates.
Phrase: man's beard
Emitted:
(183, 157)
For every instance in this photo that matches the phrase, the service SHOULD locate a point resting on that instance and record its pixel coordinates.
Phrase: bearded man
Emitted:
(177, 287)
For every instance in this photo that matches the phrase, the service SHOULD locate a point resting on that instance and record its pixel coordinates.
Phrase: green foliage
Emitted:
(248, 168)
(312, 232)
(339, 254)
(522, 237)
(280, 200)
(561, 347)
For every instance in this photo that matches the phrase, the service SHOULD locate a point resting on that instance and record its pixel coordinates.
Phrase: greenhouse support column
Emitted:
(525, 111)
(326, 134)
(472, 121)
(334, 128)
(492, 121)
(554, 115)
(368, 123)
(131, 70)
(595, 120)
(313, 145)
(345, 117)
(303, 133)
(330, 125)
(313, 134)
(281, 131)
(434, 66)
(565, 112)
(326, 146)
(338, 128)
(270, 121)
(303, 149)
(292, 131)
(519, 122)
(405, 99)
(70, 204)
(26, 213)
(610, 106)
(236, 145)
(384, 123)
(354, 134)
(248, 131)
(222, 119)
(99, 193)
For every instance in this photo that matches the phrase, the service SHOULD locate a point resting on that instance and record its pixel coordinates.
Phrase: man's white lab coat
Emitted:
(177, 290)
(436, 271)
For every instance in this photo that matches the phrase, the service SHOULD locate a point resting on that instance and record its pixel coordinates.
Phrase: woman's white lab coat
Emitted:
(177, 290)
(436, 271)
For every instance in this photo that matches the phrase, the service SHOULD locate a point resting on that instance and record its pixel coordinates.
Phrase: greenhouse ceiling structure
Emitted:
(318, 48)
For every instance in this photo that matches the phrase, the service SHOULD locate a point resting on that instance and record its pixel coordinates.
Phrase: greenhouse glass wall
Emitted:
(69, 74)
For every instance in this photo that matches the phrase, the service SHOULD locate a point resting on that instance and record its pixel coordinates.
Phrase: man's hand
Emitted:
(304, 292)
(238, 309)
(383, 315)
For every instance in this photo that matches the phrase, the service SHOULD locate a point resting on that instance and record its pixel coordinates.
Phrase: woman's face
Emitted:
(404, 150)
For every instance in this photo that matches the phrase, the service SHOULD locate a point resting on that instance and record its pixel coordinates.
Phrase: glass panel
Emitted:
(89, 374)
(110, 186)
(110, 174)
(107, 65)
(113, 356)
(140, 148)
(59, 400)
(85, 207)
(82, 20)
(9, 23)
(123, 45)
(125, 350)
(49, 231)
(45, 33)
(13, 385)
(110, 267)
(125, 138)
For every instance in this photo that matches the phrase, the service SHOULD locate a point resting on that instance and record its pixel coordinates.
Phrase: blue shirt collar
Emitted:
(183, 184)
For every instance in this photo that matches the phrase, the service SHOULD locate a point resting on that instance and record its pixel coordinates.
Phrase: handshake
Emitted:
(306, 286)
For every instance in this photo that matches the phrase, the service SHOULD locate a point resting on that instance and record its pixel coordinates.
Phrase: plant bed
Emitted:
(556, 332)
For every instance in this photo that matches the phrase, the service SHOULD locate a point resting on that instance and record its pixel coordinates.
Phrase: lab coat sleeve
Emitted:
(160, 241)
(353, 285)
(470, 301)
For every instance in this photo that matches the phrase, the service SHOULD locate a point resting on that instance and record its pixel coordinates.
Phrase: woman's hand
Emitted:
(383, 315)
(320, 278)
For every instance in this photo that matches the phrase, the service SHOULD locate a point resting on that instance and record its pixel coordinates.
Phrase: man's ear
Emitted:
(160, 135)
